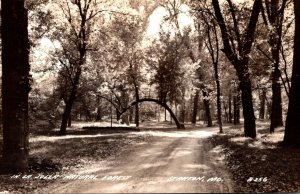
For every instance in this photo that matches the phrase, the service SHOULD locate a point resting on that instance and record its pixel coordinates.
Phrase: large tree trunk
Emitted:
(292, 129)
(182, 112)
(276, 19)
(238, 109)
(99, 109)
(15, 85)
(229, 108)
(207, 108)
(81, 45)
(240, 58)
(219, 109)
(137, 114)
(66, 115)
(165, 114)
(130, 115)
(235, 110)
(276, 108)
(69, 104)
(195, 108)
(118, 114)
(99, 114)
(225, 111)
(88, 116)
(248, 112)
(269, 105)
(262, 104)
(70, 121)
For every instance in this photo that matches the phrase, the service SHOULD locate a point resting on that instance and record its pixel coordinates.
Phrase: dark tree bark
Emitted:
(133, 76)
(235, 110)
(137, 116)
(207, 108)
(212, 45)
(99, 109)
(229, 108)
(88, 116)
(130, 115)
(275, 13)
(15, 85)
(269, 105)
(99, 114)
(262, 104)
(240, 57)
(225, 111)
(81, 36)
(276, 110)
(219, 109)
(70, 121)
(118, 114)
(176, 109)
(195, 107)
(238, 109)
(292, 129)
(182, 112)
(70, 102)
(165, 114)
(137, 97)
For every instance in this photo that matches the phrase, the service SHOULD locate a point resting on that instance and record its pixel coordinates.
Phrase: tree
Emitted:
(212, 44)
(292, 132)
(206, 103)
(237, 48)
(76, 47)
(169, 74)
(183, 33)
(15, 84)
(275, 13)
(129, 32)
(195, 107)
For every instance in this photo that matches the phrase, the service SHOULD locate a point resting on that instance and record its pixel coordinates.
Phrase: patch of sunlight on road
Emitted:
(55, 138)
(178, 134)
(96, 167)
(183, 153)
(100, 124)
(151, 165)
(203, 133)
(196, 166)
(146, 154)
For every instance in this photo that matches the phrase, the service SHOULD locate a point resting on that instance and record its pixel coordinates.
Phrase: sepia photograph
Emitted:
(150, 96)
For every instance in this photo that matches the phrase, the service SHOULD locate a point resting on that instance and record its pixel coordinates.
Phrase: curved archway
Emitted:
(178, 124)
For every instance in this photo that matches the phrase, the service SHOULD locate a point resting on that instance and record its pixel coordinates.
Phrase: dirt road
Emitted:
(172, 162)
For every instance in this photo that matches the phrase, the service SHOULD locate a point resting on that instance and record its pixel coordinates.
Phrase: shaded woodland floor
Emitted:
(260, 158)
(84, 147)
(54, 155)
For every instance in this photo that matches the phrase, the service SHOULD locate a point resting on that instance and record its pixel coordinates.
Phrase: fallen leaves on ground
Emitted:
(67, 156)
(261, 164)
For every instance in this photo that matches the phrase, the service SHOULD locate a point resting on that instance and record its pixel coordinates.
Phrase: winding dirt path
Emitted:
(173, 162)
